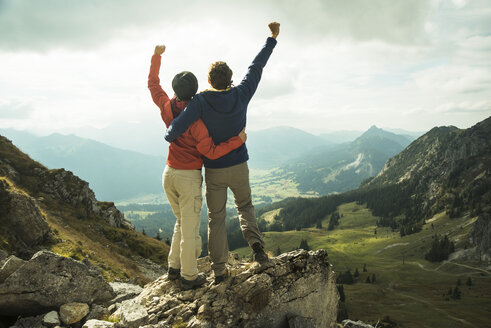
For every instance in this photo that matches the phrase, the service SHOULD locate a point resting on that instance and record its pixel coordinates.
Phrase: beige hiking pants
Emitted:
(183, 190)
(217, 181)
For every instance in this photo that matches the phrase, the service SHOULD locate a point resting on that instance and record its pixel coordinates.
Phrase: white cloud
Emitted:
(15, 109)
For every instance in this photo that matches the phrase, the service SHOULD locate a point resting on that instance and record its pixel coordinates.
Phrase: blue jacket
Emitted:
(224, 112)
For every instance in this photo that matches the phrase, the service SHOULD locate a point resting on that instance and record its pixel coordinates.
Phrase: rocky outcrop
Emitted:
(48, 281)
(296, 284)
(113, 216)
(480, 236)
(63, 185)
(27, 227)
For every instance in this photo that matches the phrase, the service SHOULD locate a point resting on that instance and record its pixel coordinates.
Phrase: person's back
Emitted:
(224, 110)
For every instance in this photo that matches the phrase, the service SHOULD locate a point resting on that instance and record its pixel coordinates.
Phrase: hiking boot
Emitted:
(259, 254)
(173, 274)
(221, 278)
(190, 284)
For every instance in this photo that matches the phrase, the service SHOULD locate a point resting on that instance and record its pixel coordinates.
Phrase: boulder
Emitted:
(71, 313)
(355, 324)
(48, 281)
(51, 319)
(10, 266)
(133, 314)
(98, 324)
(124, 291)
(297, 287)
(20, 214)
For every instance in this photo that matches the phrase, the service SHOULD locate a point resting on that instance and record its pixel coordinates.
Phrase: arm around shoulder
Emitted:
(181, 123)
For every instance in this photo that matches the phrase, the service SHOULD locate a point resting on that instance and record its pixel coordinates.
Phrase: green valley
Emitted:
(405, 282)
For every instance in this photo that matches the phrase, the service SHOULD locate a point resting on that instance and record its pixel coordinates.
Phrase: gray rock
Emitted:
(300, 285)
(124, 291)
(71, 313)
(133, 314)
(355, 324)
(27, 227)
(113, 216)
(51, 319)
(48, 281)
(97, 312)
(295, 321)
(10, 266)
(98, 324)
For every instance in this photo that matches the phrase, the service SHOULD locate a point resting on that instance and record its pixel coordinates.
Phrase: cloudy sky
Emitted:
(81, 67)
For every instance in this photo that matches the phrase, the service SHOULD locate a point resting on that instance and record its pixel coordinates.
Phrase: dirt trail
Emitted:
(417, 299)
(422, 267)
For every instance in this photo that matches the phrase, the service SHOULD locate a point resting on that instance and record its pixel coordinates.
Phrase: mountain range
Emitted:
(117, 175)
(447, 170)
(114, 174)
(342, 167)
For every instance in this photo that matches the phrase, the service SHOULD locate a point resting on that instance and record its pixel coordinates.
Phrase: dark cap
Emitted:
(185, 85)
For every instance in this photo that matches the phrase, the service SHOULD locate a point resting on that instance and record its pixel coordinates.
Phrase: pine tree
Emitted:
(304, 245)
(364, 268)
(158, 237)
(143, 232)
(456, 293)
(167, 241)
(278, 251)
(356, 274)
(367, 280)
(319, 224)
(373, 278)
(341, 292)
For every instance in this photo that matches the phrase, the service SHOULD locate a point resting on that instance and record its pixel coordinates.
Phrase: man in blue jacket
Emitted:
(223, 109)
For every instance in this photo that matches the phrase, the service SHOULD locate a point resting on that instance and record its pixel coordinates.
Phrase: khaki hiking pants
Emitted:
(183, 190)
(217, 181)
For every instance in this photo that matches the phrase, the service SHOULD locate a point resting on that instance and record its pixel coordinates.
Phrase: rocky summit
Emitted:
(295, 287)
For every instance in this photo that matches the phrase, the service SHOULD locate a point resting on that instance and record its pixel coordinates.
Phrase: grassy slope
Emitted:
(89, 237)
(410, 293)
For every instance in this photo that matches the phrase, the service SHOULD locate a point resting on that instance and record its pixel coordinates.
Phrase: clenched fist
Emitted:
(275, 29)
(159, 50)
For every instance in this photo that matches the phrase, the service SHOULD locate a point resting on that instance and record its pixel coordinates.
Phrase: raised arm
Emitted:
(181, 123)
(251, 80)
(158, 94)
(207, 147)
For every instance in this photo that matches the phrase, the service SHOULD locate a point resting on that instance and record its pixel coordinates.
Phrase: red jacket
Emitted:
(186, 152)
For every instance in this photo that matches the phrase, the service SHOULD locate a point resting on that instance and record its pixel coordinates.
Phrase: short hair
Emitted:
(185, 85)
(220, 75)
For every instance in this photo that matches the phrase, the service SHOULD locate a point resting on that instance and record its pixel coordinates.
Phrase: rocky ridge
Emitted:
(443, 169)
(297, 289)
